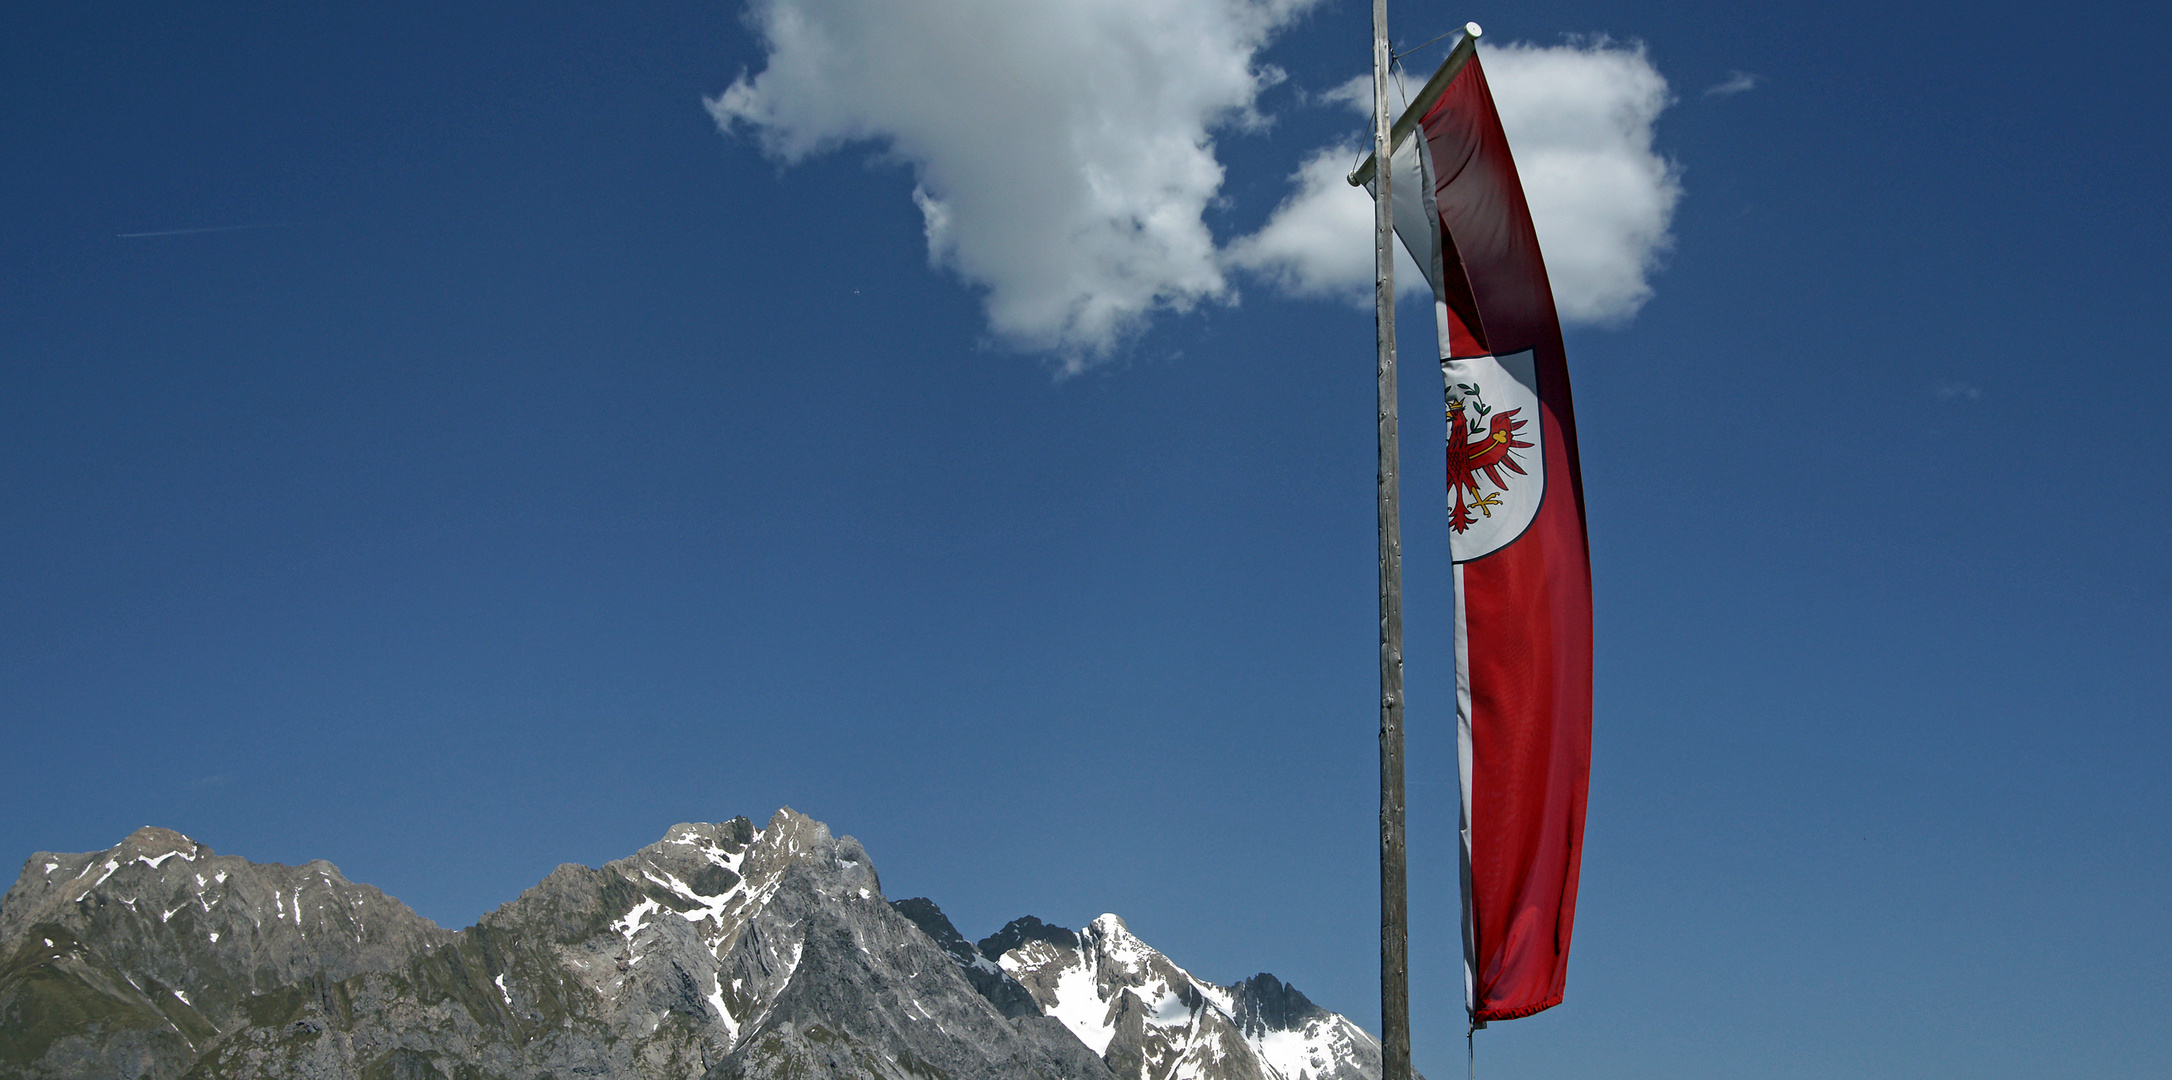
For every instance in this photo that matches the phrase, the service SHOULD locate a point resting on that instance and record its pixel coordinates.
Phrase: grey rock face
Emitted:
(722, 951)
(1009, 998)
(132, 959)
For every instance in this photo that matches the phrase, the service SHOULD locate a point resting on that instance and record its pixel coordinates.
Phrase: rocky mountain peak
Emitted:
(152, 843)
(1265, 1003)
(48, 878)
(1112, 946)
(1024, 929)
(1151, 1019)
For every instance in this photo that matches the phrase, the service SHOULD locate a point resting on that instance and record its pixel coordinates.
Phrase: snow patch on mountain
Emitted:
(1075, 1000)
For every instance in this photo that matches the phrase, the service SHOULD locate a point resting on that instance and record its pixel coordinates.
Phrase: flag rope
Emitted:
(1415, 48)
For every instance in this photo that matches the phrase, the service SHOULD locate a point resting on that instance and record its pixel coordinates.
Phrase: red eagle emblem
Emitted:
(1493, 450)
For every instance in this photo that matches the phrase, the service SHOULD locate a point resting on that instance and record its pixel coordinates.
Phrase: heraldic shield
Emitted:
(1496, 465)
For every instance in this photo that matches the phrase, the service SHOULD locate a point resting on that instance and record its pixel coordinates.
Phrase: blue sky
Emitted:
(551, 467)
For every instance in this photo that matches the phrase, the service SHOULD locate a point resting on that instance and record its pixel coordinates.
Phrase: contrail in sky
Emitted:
(205, 229)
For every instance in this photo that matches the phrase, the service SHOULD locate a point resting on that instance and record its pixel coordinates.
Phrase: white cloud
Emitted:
(1580, 120)
(1356, 95)
(1062, 149)
(1737, 82)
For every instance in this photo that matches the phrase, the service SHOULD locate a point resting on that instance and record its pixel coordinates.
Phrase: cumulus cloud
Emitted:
(1580, 118)
(1062, 149)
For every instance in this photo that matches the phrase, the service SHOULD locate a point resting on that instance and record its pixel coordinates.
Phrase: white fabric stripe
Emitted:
(1437, 273)
(1417, 222)
(1463, 777)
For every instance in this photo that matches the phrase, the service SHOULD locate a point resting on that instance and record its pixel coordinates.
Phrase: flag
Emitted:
(1516, 534)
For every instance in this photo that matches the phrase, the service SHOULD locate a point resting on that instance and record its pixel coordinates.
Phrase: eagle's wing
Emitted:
(1494, 453)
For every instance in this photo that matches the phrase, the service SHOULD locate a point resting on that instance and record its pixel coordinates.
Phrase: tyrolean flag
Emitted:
(1522, 564)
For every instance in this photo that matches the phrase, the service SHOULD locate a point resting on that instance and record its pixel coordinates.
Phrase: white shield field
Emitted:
(1493, 407)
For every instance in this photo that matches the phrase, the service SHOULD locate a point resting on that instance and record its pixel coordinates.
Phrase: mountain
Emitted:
(1150, 1019)
(721, 952)
(126, 961)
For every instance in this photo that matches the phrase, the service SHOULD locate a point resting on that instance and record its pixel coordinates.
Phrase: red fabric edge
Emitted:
(1490, 1015)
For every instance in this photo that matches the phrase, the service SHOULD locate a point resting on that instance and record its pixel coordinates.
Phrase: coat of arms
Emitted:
(1496, 468)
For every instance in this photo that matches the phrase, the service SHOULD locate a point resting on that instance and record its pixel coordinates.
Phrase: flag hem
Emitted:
(1518, 1013)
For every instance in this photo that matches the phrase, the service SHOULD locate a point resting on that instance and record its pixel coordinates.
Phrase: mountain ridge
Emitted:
(721, 951)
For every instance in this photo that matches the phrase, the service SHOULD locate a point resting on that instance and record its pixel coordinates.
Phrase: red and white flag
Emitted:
(1522, 565)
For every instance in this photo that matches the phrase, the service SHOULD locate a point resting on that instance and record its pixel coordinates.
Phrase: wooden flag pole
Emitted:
(1394, 890)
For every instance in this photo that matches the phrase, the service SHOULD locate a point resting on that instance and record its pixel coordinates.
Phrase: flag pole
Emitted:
(1394, 890)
